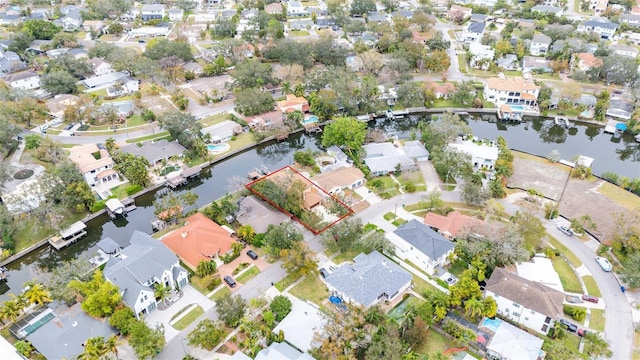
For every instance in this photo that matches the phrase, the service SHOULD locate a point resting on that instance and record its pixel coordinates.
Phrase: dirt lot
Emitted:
(538, 174)
(209, 84)
(581, 197)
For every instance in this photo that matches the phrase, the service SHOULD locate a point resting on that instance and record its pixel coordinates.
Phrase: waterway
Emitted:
(621, 156)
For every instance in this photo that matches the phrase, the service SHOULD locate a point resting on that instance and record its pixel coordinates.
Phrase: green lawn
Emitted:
(120, 191)
(568, 277)
(158, 136)
(592, 286)
(286, 281)
(458, 267)
(573, 259)
(298, 33)
(398, 221)
(412, 177)
(345, 256)
(384, 186)
(446, 103)
(190, 317)
(435, 343)
(248, 275)
(214, 119)
(422, 286)
(619, 196)
(312, 289)
(389, 216)
(31, 231)
(597, 320)
(224, 291)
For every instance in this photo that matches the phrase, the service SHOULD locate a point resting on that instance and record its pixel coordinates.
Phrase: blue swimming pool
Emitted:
(517, 107)
(310, 120)
(218, 147)
(491, 324)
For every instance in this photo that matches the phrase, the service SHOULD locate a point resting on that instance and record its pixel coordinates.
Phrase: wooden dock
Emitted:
(129, 205)
(176, 181)
(69, 236)
(258, 173)
(191, 173)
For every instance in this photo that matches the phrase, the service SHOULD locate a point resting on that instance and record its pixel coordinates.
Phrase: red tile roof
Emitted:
(450, 224)
(199, 239)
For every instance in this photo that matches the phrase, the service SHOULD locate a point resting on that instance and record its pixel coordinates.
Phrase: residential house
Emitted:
(385, 158)
(78, 53)
(528, 303)
(56, 53)
(587, 100)
(100, 67)
(122, 108)
(630, 19)
(58, 104)
(539, 44)
(175, 14)
(571, 45)
(547, 10)
(140, 267)
(297, 25)
(60, 332)
(415, 150)
(511, 91)
(7, 18)
(483, 155)
(280, 351)
(534, 64)
(323, 23)
(10, 62)
(442, 91)
(584, 61)
(603, 27)
(510, 343)
(598, 6)
(620, 109)
(193, 67)
(223, 131)
(95, 164)
(369, 280)
(473, 32)
(451, 225)
(123, 86)
(376, 17)
(403, 13)
(26, 80)
(525, 23)
(274, 8)
(266, 120)
(481, 55)
(295, 8)
(152, 12)
(156, 151)
(72, 21)
(479, 18)
(8, 351)
(93, 25)
(418, 243)
(459, 13)
(301, 325)
(508, 62)
(624, 50)
(200, 239)
(418, 38)
(335, 181)
(293, 103)
(103, 81)
(259, 214)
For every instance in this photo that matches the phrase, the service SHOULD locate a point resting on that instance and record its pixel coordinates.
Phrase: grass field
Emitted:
(568, 277)
(190, 317)
(30, 232)
(162, 134)
(573, 259)
(312, 289)
(214, 119)
(619, 196)
(248, 275)
(345, 256)
(422, 286)
(592, 286)
(224, 291)
(286, 281)
(597, 320)
(384, 186)
(435, 343)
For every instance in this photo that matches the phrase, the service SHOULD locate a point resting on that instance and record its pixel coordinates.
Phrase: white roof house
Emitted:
(482, 155)
(511, 343)
(300, 325)
(382, 158)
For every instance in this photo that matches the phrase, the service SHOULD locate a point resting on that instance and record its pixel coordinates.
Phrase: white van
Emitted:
(604, 263)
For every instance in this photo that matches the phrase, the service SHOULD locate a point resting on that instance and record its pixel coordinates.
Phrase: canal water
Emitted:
(621, 156)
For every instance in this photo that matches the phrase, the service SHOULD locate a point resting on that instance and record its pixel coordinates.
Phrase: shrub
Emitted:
(258, 240)
(32, 141)
(577, 313)
(97, 206)
(280, 306)
(304, 157)
(122, 320)
(410, 187)
(133, 189)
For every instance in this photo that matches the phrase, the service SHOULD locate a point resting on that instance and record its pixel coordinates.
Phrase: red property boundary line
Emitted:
(250, 185)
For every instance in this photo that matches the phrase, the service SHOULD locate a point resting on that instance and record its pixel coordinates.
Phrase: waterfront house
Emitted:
(95, 164)
(385, 158)
(200, 239)
(140, 267)
(511, 91)
(335, 181)
(369, 280)
(483, 155)
(156, 151)
(222, 132)
(415, 150)
(528, 303)
(442, 91)
(258, 213)
(293, 103)
(418, 243)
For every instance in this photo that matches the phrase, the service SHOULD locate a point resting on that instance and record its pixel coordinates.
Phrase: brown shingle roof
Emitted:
(341, 177)
(530, 294)
(450, 224)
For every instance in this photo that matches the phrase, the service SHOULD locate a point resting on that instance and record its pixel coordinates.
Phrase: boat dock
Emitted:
(116, 207)
(176, 181)
(129, 205)
(191, 173)
(4, 273)
(69, 236)
(258, 173)
(612, 126)
(561, 121)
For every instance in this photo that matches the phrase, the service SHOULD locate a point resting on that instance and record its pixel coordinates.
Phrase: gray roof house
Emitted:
(10, 62)
(421, 245)
(369, 280)
(222, 132)
(602, 26)
(155, 151)
(539, 45)
(416, 150)
(620, 109)
(509, 62)
(62, 337)
(282, 351)
(139, 267)
(547, 9)
(382, 158)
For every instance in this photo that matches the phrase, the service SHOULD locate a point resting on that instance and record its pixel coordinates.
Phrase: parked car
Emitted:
(566, 230)
(573, 299)
(323, 272)
(229, 280)
(582, 332)
(604, 263)
(568, 325)
(70, 126)
(590, 298)
(252, 254)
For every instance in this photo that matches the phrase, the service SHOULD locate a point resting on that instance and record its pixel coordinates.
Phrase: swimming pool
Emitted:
(218, 148)
(310, 120)
(491, 324)
(517, 107)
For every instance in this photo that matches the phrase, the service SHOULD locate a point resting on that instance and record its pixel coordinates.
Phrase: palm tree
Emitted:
(111, 345)
(246, 233)
(161, 291)
(286, 88)
(21, 301)
(10, 310)
(38, 294)
(94, 348)
(474, 307)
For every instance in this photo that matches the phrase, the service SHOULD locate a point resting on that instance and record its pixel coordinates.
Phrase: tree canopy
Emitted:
(159, 48)
(346, 132)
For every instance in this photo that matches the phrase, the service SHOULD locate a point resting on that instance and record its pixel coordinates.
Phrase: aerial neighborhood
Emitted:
(321, 179)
